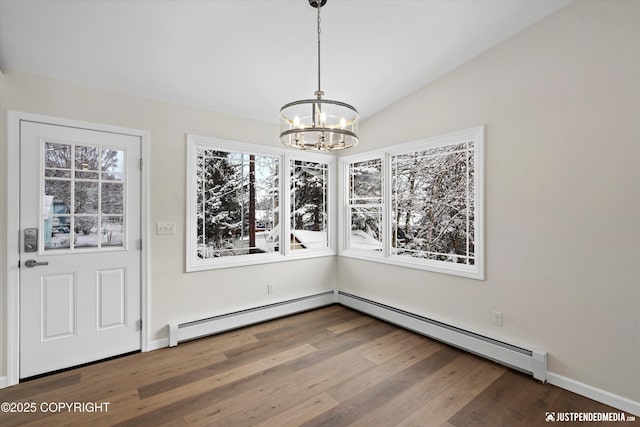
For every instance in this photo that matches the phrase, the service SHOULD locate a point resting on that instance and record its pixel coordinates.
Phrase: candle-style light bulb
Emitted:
(343, 123)
(296, 121)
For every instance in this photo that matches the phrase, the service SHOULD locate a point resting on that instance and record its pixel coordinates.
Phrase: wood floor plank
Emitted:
(258, 405)
(206, 401)
(361, 338)
(383, 372)
(302, 412)
(33, 389)
(129, 405)
(385, 352)
(360, 405)
(349, 325)
(324, 374)
(398, 407)
(220, 405)
(506, 401)
(444, 405)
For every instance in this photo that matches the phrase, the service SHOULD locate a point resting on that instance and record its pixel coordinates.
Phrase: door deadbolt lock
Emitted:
(30, 240)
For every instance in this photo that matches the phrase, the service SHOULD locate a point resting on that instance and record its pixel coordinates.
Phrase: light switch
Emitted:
(166, 228)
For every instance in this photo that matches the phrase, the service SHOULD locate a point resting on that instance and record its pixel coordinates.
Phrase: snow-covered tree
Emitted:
(236, 203)
(308, 195)
(433, 203)
(218, 213)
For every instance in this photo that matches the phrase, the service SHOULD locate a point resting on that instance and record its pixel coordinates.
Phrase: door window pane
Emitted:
(86, 197)
(86, 162)
(86, 231)
(57, 232)
(86, 158)
(112, 231)
(112, 198)
(57, 156)
(57, 196)
(112, 164)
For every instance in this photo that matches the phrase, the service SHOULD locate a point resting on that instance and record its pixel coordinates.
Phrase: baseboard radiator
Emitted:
(190, 330)
(531, 361)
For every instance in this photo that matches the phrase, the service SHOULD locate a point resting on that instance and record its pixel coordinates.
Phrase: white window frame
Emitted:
(331, 223)
(285, 156)
(475, 271)
(345, 211)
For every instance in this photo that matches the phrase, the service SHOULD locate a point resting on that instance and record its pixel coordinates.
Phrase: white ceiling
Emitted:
(249, 57)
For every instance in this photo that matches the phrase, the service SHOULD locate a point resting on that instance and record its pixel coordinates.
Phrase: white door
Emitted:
(79, 246)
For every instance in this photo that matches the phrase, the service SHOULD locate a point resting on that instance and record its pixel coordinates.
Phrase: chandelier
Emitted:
(318, 124)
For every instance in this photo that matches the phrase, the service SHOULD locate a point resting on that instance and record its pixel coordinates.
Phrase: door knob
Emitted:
(33, 263)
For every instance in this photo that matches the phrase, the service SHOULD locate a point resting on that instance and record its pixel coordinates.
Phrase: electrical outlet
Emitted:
(271, 288)
(166, 228)
(496, 318)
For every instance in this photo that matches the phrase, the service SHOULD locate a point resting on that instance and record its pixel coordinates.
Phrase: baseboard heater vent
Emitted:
(531, 361)
(213, 325)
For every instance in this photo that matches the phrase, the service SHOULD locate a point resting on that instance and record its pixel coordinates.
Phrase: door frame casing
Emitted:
(12, 277)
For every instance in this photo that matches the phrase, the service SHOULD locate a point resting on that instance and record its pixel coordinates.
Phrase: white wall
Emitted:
(560, 103)
(175, 296)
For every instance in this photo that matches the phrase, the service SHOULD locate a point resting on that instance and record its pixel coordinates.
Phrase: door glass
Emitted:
(86, 197)
(83, 200)
(57, 232)
(57, 156)
(112, 165)
(86, 162)
(112, 231)
(86, 231)
(57, 196)
(112, 196)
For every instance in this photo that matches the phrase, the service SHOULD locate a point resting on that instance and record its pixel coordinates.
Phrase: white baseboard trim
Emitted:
(157, 344)
(3, 382)
(602, 396)
(213, 325)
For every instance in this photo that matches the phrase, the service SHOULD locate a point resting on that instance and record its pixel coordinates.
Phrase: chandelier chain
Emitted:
(319, 93)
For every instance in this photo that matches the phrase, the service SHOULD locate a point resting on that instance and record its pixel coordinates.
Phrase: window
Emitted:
(432, 217)
(309, 205)
(237, 203)
(365, 204)
(237, 195)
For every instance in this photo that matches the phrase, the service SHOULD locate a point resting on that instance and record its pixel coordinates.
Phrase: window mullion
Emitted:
(387, 207)
(286, 214)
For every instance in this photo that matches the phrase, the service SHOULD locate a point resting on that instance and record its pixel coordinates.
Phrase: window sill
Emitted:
(471, 272)
(257, 259)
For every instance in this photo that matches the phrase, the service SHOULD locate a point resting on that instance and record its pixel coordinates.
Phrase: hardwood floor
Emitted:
(327, 367)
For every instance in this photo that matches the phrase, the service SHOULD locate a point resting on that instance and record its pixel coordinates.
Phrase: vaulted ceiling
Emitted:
(249, 57)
